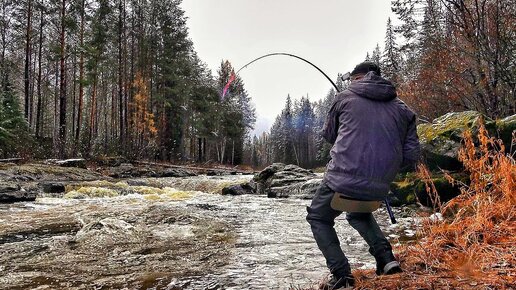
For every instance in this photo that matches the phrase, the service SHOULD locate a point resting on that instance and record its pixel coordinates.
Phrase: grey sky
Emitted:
(333, 34)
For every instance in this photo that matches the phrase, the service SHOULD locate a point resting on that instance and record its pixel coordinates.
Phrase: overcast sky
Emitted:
(335, 35)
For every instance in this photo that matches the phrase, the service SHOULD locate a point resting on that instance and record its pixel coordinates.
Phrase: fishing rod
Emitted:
(232, 76)
(295, 56)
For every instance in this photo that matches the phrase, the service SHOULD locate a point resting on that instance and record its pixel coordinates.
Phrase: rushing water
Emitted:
(196, 240)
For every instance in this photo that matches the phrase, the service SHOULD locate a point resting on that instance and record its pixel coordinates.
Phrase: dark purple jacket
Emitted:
(373, 135)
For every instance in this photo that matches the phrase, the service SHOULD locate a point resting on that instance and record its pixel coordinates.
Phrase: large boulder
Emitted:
(175, 172)
(128, 170)
(280, 180)
(52, 187)
(12, 192)
(506, 127)
(238, 189)
(441, 139)
(411, 189)
(76, 162)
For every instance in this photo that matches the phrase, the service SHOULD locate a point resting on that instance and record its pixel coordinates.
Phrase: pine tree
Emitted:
(391, 56)
(322, 147)
(237, 115)
(14, 135)
(377, 55)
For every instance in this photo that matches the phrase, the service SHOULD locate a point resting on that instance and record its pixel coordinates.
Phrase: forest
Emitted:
(89, 78)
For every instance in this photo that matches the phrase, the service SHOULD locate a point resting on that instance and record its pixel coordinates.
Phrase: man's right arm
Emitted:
(411, 147)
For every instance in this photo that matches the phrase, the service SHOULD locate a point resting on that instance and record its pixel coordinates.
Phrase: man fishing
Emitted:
(373, 135)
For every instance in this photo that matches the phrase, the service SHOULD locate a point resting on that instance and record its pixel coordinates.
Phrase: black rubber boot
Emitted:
(386, 264)
(335, 282)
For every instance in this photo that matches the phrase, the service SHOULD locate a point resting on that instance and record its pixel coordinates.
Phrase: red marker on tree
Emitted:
(232, 77)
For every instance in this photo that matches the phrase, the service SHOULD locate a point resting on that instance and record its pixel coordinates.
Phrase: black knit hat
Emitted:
(365, 67)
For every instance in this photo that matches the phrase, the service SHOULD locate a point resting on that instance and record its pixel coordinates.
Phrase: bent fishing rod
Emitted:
(291, 55)
(232, 77)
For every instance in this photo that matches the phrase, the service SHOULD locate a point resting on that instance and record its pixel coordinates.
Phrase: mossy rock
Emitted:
(402, 193)
(441, 139)
(506, 127)
(412, 190)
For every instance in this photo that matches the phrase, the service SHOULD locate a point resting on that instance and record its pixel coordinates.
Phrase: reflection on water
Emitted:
(201, 241)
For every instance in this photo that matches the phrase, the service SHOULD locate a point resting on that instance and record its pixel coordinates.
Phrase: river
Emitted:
(178, 238)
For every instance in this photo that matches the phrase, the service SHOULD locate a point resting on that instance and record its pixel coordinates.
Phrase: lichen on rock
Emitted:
(441, 139)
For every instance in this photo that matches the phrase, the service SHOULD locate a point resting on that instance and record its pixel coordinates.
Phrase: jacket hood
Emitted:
(373, 87)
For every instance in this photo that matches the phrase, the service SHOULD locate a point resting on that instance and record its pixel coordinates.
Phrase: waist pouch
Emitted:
(342, 203)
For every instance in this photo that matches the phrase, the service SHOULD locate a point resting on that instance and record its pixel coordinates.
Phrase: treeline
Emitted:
(113, 77)
(445, 55)
(295, 136)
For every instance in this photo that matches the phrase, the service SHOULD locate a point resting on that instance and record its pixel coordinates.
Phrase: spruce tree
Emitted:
(14, 135)
(391, 56)
(377, 55)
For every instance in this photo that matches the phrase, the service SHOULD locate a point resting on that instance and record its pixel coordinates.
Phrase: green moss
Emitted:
(403, 192)
(411, 189)
(411, 198)
(442, 139)
(506, 127)
(445, 189)
(451, 126)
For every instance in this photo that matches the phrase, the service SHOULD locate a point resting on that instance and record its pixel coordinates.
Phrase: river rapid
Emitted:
(171, 233)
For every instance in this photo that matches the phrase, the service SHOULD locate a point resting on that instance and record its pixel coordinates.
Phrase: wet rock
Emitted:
(46, 172)
(506, 127)
(280, 180)
(8, 187)
(302, 189)
(77, 162)
(445, 189)
(127, 170)
(238, 189)
(220, 172)
(402, 193)
(411, 190)
(212, 173)
(111, 161)
(441, 139)
(52, 187)
(175, 172)
(137, 182)
(268, 172)
(12, 192)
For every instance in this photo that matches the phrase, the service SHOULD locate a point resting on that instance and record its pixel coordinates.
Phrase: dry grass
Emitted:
(474, 245)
